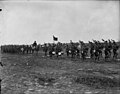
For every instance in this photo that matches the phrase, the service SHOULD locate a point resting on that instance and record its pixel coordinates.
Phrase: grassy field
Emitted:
(35, 74)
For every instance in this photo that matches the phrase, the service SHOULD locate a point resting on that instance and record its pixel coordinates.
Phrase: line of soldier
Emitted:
(108, 48)
(71, 49)
(20, 48)
(96, 49)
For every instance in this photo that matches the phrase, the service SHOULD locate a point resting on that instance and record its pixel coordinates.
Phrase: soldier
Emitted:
(72, 50)
(115, 48)
(27, 49)
(22, 49)
(91, 50)
(109, 47)
(96, 53)
(83, 54)
(45, 49)
(51, 50)
(30, 48)
(34, 45)
(77, 52)
(67, 50)
(106, 51)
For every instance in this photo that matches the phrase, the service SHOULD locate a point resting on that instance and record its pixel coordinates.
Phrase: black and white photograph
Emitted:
(59, 47)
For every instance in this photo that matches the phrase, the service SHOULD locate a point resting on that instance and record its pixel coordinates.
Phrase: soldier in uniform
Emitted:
(67, 50)
(45, 49)
(51, 50)
(34, 45)
(115, 48)
(72, 50)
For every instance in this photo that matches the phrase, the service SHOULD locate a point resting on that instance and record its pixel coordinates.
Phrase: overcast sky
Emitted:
(26, 21)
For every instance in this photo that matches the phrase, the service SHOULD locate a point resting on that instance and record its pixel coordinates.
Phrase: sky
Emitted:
(26, 21)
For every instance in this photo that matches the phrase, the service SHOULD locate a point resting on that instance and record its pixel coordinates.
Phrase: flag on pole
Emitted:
(103, 40)
(55, 38)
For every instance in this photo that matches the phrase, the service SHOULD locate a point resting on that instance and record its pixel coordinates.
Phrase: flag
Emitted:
(55, 38)
(103, 40)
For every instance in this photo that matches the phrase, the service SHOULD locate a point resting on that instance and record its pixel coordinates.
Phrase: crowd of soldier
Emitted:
(96, 49)
(20, 48)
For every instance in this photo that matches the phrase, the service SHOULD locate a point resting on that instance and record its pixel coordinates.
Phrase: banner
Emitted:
(55, 38)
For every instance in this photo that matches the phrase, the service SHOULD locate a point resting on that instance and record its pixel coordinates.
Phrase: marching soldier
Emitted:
(45, 49)
(67, 50)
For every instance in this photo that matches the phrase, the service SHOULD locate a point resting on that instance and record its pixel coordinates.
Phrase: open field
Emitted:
(34, 74)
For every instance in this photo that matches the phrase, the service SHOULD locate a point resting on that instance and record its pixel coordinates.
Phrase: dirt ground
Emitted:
(35, 74)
